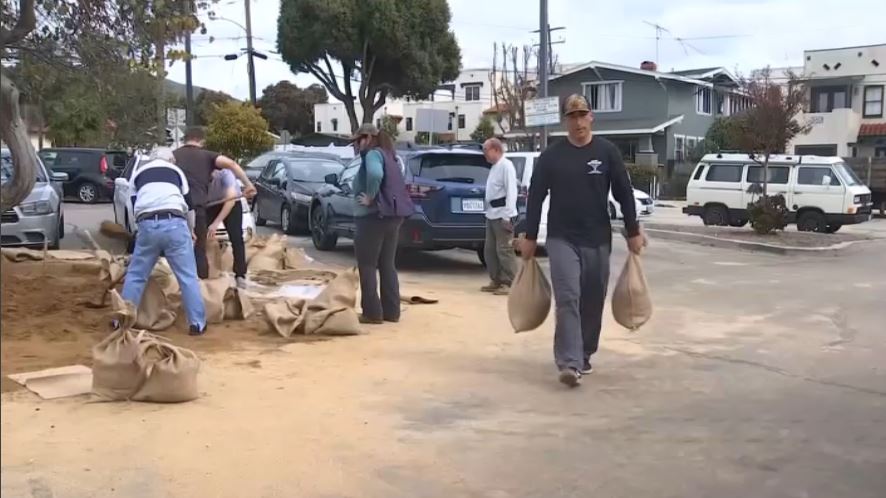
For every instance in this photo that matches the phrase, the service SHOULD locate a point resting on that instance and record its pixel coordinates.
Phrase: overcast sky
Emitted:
(737, 34)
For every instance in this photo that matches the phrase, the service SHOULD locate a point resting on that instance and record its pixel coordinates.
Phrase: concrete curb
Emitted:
(711, 241)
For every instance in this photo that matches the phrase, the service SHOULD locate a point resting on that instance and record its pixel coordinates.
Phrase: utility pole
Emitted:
(189, 81)
(249, 53)
(543, 56)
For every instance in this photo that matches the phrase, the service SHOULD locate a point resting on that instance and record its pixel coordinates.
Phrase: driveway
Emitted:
(759, 375)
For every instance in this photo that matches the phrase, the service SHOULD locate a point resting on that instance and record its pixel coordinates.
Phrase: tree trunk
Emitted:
(161, 93)
(766, 176)
(15, 135)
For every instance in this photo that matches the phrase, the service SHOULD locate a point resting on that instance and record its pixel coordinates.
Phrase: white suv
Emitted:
(123, 211)
(822, 193)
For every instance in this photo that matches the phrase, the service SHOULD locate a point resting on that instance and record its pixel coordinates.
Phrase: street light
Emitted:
(250, 52)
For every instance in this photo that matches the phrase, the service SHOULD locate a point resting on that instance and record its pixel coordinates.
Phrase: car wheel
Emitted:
(286, 223)
(716, 216)
(481, 254)
(61, 225)
(812, 221)
(321, 234)
(88, 193)
(738, 223)
(57, 243)
(834, 228)
(259, 221)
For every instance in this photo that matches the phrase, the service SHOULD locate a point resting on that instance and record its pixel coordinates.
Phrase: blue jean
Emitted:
(170, 238)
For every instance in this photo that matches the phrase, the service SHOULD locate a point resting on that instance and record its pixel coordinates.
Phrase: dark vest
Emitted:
(393, 199)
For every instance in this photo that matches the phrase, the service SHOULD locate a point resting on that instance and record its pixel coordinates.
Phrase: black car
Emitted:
(286, 189)
(448, 187)
(91, 172)
(254, 168)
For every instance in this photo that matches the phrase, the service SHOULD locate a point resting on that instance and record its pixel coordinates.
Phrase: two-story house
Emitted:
(846, 98)
(653, 117)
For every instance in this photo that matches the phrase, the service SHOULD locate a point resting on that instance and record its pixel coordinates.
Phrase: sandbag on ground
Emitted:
(330, 313)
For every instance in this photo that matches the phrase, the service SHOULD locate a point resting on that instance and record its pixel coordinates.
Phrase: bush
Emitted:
(238, 131)
(641, 176)
(768, 214)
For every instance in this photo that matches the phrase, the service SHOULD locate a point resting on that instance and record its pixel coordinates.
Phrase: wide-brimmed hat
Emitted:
(365, 129)
(575, 103)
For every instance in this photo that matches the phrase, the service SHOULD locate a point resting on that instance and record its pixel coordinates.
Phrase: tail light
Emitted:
(103, 165)
(420, 191)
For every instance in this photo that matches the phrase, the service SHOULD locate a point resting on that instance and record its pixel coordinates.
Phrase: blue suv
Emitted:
(448, 187)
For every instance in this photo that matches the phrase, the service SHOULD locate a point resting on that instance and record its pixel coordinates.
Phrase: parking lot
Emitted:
(759, 375)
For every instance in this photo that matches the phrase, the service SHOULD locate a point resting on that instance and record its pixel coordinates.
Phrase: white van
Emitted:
(524, 163)
(822, 193)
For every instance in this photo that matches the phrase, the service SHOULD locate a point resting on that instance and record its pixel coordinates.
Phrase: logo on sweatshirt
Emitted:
(595, 167)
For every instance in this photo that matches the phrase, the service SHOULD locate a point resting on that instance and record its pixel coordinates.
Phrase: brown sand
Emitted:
(45, 322)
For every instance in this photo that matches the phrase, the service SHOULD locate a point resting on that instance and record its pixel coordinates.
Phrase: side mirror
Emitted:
(331, 179)
(274, 181)
(283, 184)
(826, 181)
(60, 177)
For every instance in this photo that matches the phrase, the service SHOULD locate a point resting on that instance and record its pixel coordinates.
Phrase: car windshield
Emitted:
(455, 168)
(312, 170)
(848, 175)
(6, 170)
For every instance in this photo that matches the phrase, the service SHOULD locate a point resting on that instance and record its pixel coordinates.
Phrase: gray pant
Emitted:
(580, 277)
(499, 252)
(375, 246)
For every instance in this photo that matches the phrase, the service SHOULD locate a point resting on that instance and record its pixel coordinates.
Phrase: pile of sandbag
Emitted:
(131, 364)
(332, 312)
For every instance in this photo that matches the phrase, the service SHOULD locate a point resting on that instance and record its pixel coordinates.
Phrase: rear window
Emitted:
(470, 169)
(312, 170)
(777, 175)
(730, 173)
(76, 160)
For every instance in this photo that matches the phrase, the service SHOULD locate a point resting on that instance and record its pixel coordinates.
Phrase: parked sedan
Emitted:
(448, 187)
(287, 187)
(39, 218)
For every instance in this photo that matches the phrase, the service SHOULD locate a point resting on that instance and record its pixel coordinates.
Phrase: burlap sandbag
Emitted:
(213, 292)
(237, 305)
(294, 258)
(631, 303)
(330, 313)
(116, 370)
(530, 299)
(269, 257)
(170, 373)
(214, 258)
(155, 312)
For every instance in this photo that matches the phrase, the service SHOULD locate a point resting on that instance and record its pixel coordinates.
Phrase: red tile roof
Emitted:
(872, 130)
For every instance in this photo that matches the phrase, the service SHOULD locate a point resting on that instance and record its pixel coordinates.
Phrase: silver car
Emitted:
(39, 218)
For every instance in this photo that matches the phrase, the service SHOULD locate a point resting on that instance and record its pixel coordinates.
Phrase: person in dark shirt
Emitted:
(199, 164)
(578, 173)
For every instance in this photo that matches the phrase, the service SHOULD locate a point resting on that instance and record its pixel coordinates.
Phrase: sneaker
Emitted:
(570, 377)
(504, 290)
(491, 287)
(196, 331)
(392, 320)
(587, 368)
(115, 325)
(241, 282)
(365, 320)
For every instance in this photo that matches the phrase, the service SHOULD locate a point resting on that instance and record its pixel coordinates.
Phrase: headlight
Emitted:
(856, 199)
(300, 197)
(38, 208)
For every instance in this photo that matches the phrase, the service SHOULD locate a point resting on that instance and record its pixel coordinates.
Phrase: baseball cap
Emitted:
(575, 103)
(365, 129)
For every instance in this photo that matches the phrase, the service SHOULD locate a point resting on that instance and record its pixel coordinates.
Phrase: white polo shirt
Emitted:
(502, 183)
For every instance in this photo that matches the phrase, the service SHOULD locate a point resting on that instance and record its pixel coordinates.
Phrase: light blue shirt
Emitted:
(368, 181)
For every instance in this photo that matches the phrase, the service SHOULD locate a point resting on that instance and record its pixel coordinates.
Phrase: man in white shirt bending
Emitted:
(501, 209)
(161, 212)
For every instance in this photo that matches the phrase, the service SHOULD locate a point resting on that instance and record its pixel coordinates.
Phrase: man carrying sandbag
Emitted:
(578, 173)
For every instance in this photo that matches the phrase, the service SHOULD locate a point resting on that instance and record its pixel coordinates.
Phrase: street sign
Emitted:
(432, 120)
(540, 112)
(175, 117)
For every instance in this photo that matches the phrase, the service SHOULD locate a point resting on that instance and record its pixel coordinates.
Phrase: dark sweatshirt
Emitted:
(578, 180)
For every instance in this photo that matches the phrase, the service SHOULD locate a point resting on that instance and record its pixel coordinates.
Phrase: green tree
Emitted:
(238, 130)
(389, 125)
(484, 131)
(392, 48)
(288, 107)
(723, 134)
(206, 103)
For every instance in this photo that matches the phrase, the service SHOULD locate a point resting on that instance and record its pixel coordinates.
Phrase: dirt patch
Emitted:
(45, 322)
(789, 238)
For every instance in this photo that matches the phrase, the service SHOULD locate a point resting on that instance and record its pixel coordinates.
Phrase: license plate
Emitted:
(473, 205)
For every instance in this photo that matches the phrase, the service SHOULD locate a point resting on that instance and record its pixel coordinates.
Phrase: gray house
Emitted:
(655, 118)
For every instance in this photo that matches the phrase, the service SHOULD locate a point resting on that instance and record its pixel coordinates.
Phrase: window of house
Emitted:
(703, 101)
(461, 121)
(378, 123)
(815, 176)
(408, 124)
(828, 98)
(724, 106)
(777, 175)
(730, 173)
(690, 144)
(334, 124)
(873, 101)
(880, 152)
(472, 92)
(319, 127)
(679, 147)
(604, 96)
